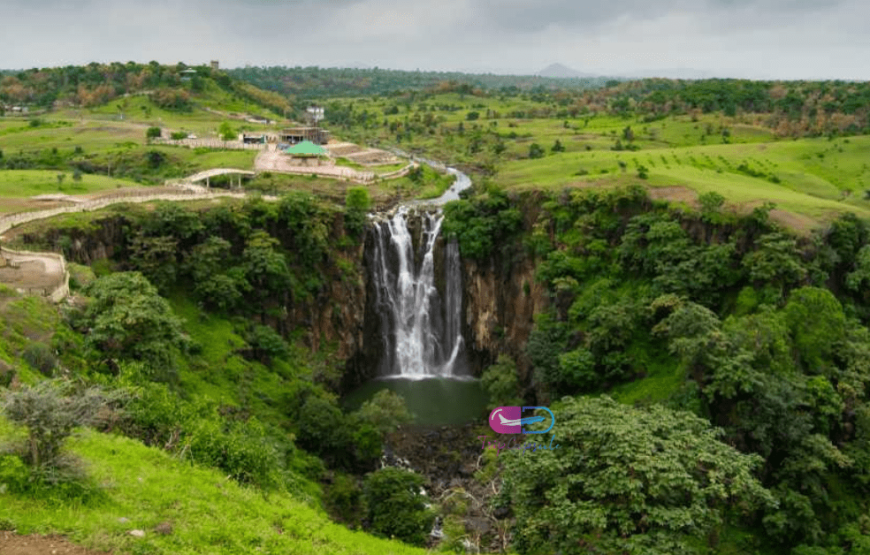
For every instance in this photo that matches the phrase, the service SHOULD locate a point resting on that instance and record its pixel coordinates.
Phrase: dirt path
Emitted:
(13, 544)
(46, 272)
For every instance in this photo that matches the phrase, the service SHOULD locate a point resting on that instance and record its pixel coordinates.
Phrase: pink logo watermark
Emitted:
(510, 420)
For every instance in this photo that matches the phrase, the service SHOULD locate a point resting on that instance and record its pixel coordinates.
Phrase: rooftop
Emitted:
(306, 148)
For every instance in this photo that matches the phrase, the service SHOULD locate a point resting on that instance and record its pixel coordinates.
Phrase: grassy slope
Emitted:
(103, 133)
(817, 177)
(221, 374)
(25, 183)
(209, 513)
(807, 186)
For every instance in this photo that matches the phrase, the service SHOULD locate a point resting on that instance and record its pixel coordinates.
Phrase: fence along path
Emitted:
(51, 260)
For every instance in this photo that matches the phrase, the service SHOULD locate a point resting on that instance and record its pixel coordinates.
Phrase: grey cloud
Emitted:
(781, 38)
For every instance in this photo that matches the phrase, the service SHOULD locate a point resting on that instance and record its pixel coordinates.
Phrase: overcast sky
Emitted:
(787, 39)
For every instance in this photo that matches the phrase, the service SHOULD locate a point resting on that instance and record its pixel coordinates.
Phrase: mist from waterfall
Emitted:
(422, 331)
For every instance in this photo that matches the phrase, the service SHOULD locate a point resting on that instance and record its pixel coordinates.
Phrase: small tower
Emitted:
(215, 65)
(314, 115)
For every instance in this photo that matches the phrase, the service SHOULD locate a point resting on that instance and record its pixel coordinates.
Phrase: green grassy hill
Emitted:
(530, 141)
(208, 513)
(99, 125)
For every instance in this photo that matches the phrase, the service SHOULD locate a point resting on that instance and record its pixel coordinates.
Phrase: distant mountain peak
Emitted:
(561, 71)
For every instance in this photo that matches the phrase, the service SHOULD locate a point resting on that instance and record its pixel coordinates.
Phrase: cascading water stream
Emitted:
(422, 330)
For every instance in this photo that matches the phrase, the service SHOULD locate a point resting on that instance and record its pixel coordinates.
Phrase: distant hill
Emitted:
(672, 73)
(317, 82)
(172, 87)
(559, 71)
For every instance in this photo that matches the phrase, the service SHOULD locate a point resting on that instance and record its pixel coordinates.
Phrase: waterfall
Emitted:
(422, 331)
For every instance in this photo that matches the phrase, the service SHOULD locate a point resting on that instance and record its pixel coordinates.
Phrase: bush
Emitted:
(50, 413)
(226, 132)
(178, 135)
(127, 320)
(241, 449)
(153, 133)
(357, 203)
(385, 411)
(396, 506)
(39, 357)
(535, 151)
(266, 344)
(14, 475)
(501, 384)
(342, 442)
(343, 499)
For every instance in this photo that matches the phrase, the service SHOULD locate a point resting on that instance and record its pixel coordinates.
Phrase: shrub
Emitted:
(14, 475)
(357, 202)
(343, 499)
(50, 414)
(501, 384)
(241, 449)
(171, 99)
(226, 132)
(127, 320)
(178, 135)
(39, 356)
(396, 505)
(267, 344)
(152, 133)
(385, 411)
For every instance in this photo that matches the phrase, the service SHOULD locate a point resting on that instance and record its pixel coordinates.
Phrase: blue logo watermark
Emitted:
(510, 420)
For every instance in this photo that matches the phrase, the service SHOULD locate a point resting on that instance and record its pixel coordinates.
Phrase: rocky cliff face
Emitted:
(97, 240)
(500, 303)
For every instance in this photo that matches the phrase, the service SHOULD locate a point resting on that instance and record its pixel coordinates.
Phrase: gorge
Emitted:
(415, 276)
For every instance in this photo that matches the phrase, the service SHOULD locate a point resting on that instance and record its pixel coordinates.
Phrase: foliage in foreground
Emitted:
(628, 480)
(207, 512)
(396, 506)
(756, 330)
(50, 411)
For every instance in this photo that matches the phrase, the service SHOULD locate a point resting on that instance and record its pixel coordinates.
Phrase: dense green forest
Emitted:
(183, 337)
(708, 365)
(317, 83)
(96, 84)
(727, 318)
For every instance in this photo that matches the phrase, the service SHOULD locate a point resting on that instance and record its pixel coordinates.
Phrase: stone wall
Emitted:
(9, 221)
(57, 291)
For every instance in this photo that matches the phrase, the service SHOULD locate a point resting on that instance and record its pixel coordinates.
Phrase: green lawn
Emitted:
(27, 183)
(813, 177)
